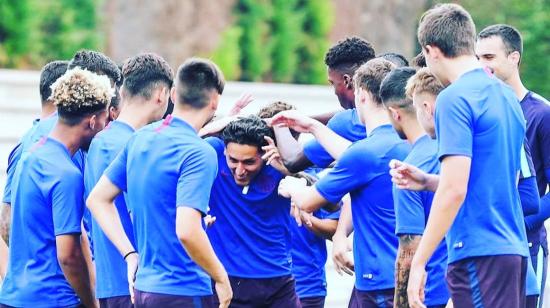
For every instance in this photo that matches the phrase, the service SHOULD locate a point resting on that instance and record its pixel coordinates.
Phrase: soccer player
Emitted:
(500, 48)
(251, 235)
(309, 249)
(362, 171)
(480, 130)
(412, 208)
(49, 74)
(167, 172)
(46, 263)
(342, 60)
(147, 82)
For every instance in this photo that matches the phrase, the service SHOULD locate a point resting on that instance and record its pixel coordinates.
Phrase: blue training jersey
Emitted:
(163, 166)
(478, 116)
(46, 203)
(111, 272)
(363, 171)
(251, 235)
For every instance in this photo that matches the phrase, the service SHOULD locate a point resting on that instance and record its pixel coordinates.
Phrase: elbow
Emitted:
(291, 166)
(457, 195)
(70, 259)
(185, 233)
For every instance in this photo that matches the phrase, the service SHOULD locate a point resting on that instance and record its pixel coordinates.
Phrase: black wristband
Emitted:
(131, 252)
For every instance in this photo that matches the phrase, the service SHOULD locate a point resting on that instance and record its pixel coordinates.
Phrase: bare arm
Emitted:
(87, 250)
(450, 194)
(291, 151)
(306, 198)
(323, 228)
(3, 259)
(5, 222)
(325, 117)
(408, 243)
(75, 269)
(197, 245)
(340, 241)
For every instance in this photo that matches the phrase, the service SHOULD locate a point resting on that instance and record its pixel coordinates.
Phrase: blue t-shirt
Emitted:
(478, 116)
(163, 166)
(309, 256)
(39, 129)
(346, 124)
(46, 202)
(412, 209)
(111, 273)
(251, 235)
(363, 171)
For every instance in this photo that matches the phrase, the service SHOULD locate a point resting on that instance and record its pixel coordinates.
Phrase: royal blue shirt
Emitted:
(39, 129)
(111, 273)
(251, 235)
(309, 256)
(46, 202)
(363, 171)
(412, 209)
(346, 124)
(478, 116)
(163, 166)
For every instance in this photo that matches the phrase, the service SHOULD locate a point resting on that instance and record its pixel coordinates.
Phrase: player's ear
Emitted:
(348, 81)
(92, 122)
(394, 113)
(173, 95)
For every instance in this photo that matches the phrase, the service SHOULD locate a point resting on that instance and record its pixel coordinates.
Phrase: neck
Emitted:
(47, 110)
(374, 117)
(70, 136)
(458, 66)
(517, 86)
(412, 130)
(132, 113)
(195, 118)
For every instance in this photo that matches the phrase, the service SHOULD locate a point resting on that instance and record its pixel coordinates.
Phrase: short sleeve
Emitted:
(350, 173)
(116, 172)
(13, 159)
(217, 144)
(68, 204)
(454, 126)
(197, 174)
(409, 212)
(315, 152)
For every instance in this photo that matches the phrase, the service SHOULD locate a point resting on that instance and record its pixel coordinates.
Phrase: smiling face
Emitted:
(492, 53)
(244, 161)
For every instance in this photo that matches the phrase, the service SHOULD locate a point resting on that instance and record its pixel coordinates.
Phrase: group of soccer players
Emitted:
(128, 191)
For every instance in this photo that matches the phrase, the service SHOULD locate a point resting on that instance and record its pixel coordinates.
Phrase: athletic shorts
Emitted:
(371, 299)
(313, 302)
(155, 300)
(492, 281)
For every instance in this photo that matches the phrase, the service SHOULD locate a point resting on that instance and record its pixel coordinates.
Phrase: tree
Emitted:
(286, 26)
(14, 32)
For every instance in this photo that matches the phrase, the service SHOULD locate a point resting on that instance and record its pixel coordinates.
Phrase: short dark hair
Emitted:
(510, 37)
(392, 88)
(449, 27)
(249, 130)
(370, 75)
(195, 79)
(269, 111)
(419, 61)
(79, 93)
(48, 75)
(144, 72)
(96, 62)
(115, 101)
(348, 54)
(395, 58)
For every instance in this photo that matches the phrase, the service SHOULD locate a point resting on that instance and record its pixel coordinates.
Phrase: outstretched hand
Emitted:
(406, 176)
(295, 120)
(240, 104)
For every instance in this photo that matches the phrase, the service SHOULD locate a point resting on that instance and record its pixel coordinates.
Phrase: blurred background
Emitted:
(273, 49)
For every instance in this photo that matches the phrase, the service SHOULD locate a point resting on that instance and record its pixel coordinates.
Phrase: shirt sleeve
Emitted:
(409, 212)
(543, 134)
(13, 159)
(350, 173)
(197, 174)
(454, 126)
(116, 172)
(68, 204)
(217, 144)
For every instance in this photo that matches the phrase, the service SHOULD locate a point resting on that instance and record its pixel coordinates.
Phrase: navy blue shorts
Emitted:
(154, 300)
(371, 299)
(493, 281)
(265, 292)
(116, 302)
(313, 302)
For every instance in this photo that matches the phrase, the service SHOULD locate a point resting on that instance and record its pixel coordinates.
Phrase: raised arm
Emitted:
(291, 151)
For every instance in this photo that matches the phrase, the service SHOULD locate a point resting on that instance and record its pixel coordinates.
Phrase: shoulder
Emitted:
(340, 120)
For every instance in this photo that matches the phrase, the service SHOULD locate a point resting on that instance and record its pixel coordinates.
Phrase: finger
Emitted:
(269, 140)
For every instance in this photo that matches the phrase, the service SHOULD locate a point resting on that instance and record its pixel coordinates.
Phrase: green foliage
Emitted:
(317, 24)
(253, 17)
(14, 32)
(51, 30)
(287, 34)
(228, 53)
(532, 19)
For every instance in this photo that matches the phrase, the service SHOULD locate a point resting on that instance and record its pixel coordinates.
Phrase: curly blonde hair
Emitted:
(79, 92)
(423, 82)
